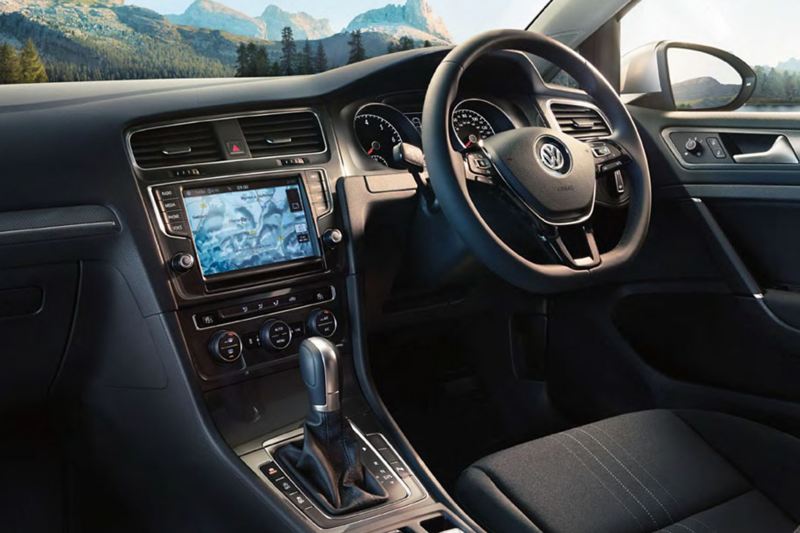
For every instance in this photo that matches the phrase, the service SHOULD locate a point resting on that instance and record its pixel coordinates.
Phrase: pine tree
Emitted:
(31, 65)
(320, 59)
(427, 44)
(10, 71)
(391, 47)
(261, 65)
(406, 43)
(242, 61)
(357, 51)
(307, 59)
(288, 51)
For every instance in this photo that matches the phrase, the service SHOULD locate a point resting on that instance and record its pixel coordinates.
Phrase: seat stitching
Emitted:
(502, 493)
(684, 526)
(693, 519)
(598, 479)
(633, 458)
(614, 476)
(669, 515)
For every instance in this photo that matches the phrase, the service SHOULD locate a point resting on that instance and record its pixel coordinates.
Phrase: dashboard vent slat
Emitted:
(283, 134)
(579, 121)
(185, 144)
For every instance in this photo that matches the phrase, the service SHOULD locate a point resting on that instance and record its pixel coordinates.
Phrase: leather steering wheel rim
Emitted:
(450, 186)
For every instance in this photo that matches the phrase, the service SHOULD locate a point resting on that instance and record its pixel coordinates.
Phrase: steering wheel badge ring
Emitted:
(553, 155)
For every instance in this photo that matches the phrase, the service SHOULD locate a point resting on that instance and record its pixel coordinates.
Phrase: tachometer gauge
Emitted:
(471, 127)
(474, 120)
(377, 136)
(379, 128)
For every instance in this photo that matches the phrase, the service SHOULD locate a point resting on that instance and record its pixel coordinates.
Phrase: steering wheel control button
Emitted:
(479, 164)
(322, 323)
(276, 335)
(226, 346)
(182, 262)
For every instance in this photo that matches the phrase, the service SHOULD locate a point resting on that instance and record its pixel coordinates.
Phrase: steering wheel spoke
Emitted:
(573, 246)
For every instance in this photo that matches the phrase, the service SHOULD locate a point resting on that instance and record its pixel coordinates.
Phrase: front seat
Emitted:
(678, 471)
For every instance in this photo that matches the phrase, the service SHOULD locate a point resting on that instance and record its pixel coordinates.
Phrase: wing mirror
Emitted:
(673, 75)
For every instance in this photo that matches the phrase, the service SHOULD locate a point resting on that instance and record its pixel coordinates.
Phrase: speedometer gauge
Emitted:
(379, 128)
(474, 120)
(471, 127)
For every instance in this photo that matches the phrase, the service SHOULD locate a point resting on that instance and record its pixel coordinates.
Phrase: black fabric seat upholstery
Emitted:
(675, 471)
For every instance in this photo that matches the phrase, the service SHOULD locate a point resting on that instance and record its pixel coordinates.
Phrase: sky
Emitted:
(761, 32)
(463, 18)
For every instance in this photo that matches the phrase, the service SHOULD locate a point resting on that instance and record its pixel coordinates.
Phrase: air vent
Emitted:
(283, 134)
(176, 145)
(579, 121)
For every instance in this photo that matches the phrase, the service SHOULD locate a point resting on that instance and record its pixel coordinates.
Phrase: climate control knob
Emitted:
(322, 323)
(225, 346)
(276, 335)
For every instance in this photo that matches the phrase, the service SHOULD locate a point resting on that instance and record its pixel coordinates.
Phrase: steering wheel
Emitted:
(550, 176)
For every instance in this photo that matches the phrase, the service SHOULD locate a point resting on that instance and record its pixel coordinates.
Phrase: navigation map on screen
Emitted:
(243, 226)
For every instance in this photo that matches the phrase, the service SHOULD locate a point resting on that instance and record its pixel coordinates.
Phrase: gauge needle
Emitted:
(371, 149)
(469, 143)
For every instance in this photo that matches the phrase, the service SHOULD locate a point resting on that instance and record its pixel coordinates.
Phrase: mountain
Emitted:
(215, 16)
(94, 40)
(790, 65)
(303, 25)
(414, 19)
(703, 92)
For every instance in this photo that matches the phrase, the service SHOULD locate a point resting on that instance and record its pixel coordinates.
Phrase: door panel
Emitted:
(723, 331)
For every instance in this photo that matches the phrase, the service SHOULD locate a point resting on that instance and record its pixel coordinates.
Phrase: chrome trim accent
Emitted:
(462, 102)
(216, 118)
(697, 200)
(758, 296)
(577, 103)
(780, 153)
(245, 175)
(330, 365)
(272, 313)
(99, 223)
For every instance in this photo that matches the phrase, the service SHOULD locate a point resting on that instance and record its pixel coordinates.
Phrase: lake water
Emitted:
(771, 108)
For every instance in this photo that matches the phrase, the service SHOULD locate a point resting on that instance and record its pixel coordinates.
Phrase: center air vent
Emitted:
(283, 134)
(176, 145)
(579, 121)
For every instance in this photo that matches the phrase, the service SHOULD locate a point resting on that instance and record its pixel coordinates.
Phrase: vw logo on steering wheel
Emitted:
(552, 156)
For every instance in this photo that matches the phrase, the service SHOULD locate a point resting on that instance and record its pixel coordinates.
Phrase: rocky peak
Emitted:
(303, 25)
(414, 19)
(215, 16)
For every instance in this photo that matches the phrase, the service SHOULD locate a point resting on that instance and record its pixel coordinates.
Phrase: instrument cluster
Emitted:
(380, 127)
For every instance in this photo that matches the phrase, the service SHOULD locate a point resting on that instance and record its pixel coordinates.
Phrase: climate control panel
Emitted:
(255, 334)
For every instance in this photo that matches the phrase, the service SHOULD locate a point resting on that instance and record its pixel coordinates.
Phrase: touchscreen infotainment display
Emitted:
(243, 226)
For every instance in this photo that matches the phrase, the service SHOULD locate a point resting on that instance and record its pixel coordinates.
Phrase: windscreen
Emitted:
(82, 40)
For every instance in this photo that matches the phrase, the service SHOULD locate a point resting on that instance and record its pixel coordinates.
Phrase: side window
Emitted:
(762, 33)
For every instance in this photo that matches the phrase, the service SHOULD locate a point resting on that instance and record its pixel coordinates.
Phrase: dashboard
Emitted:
(207, 227)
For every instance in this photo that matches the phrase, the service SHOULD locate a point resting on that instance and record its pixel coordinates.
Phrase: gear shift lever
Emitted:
(328, 462)
(319, 366)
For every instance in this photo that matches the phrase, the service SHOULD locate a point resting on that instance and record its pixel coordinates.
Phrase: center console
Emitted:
(243, 212)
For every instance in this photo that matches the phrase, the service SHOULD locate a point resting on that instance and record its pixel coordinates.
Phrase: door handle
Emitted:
(781, 152)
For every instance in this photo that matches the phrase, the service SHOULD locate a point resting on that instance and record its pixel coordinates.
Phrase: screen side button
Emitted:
(178, 229)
